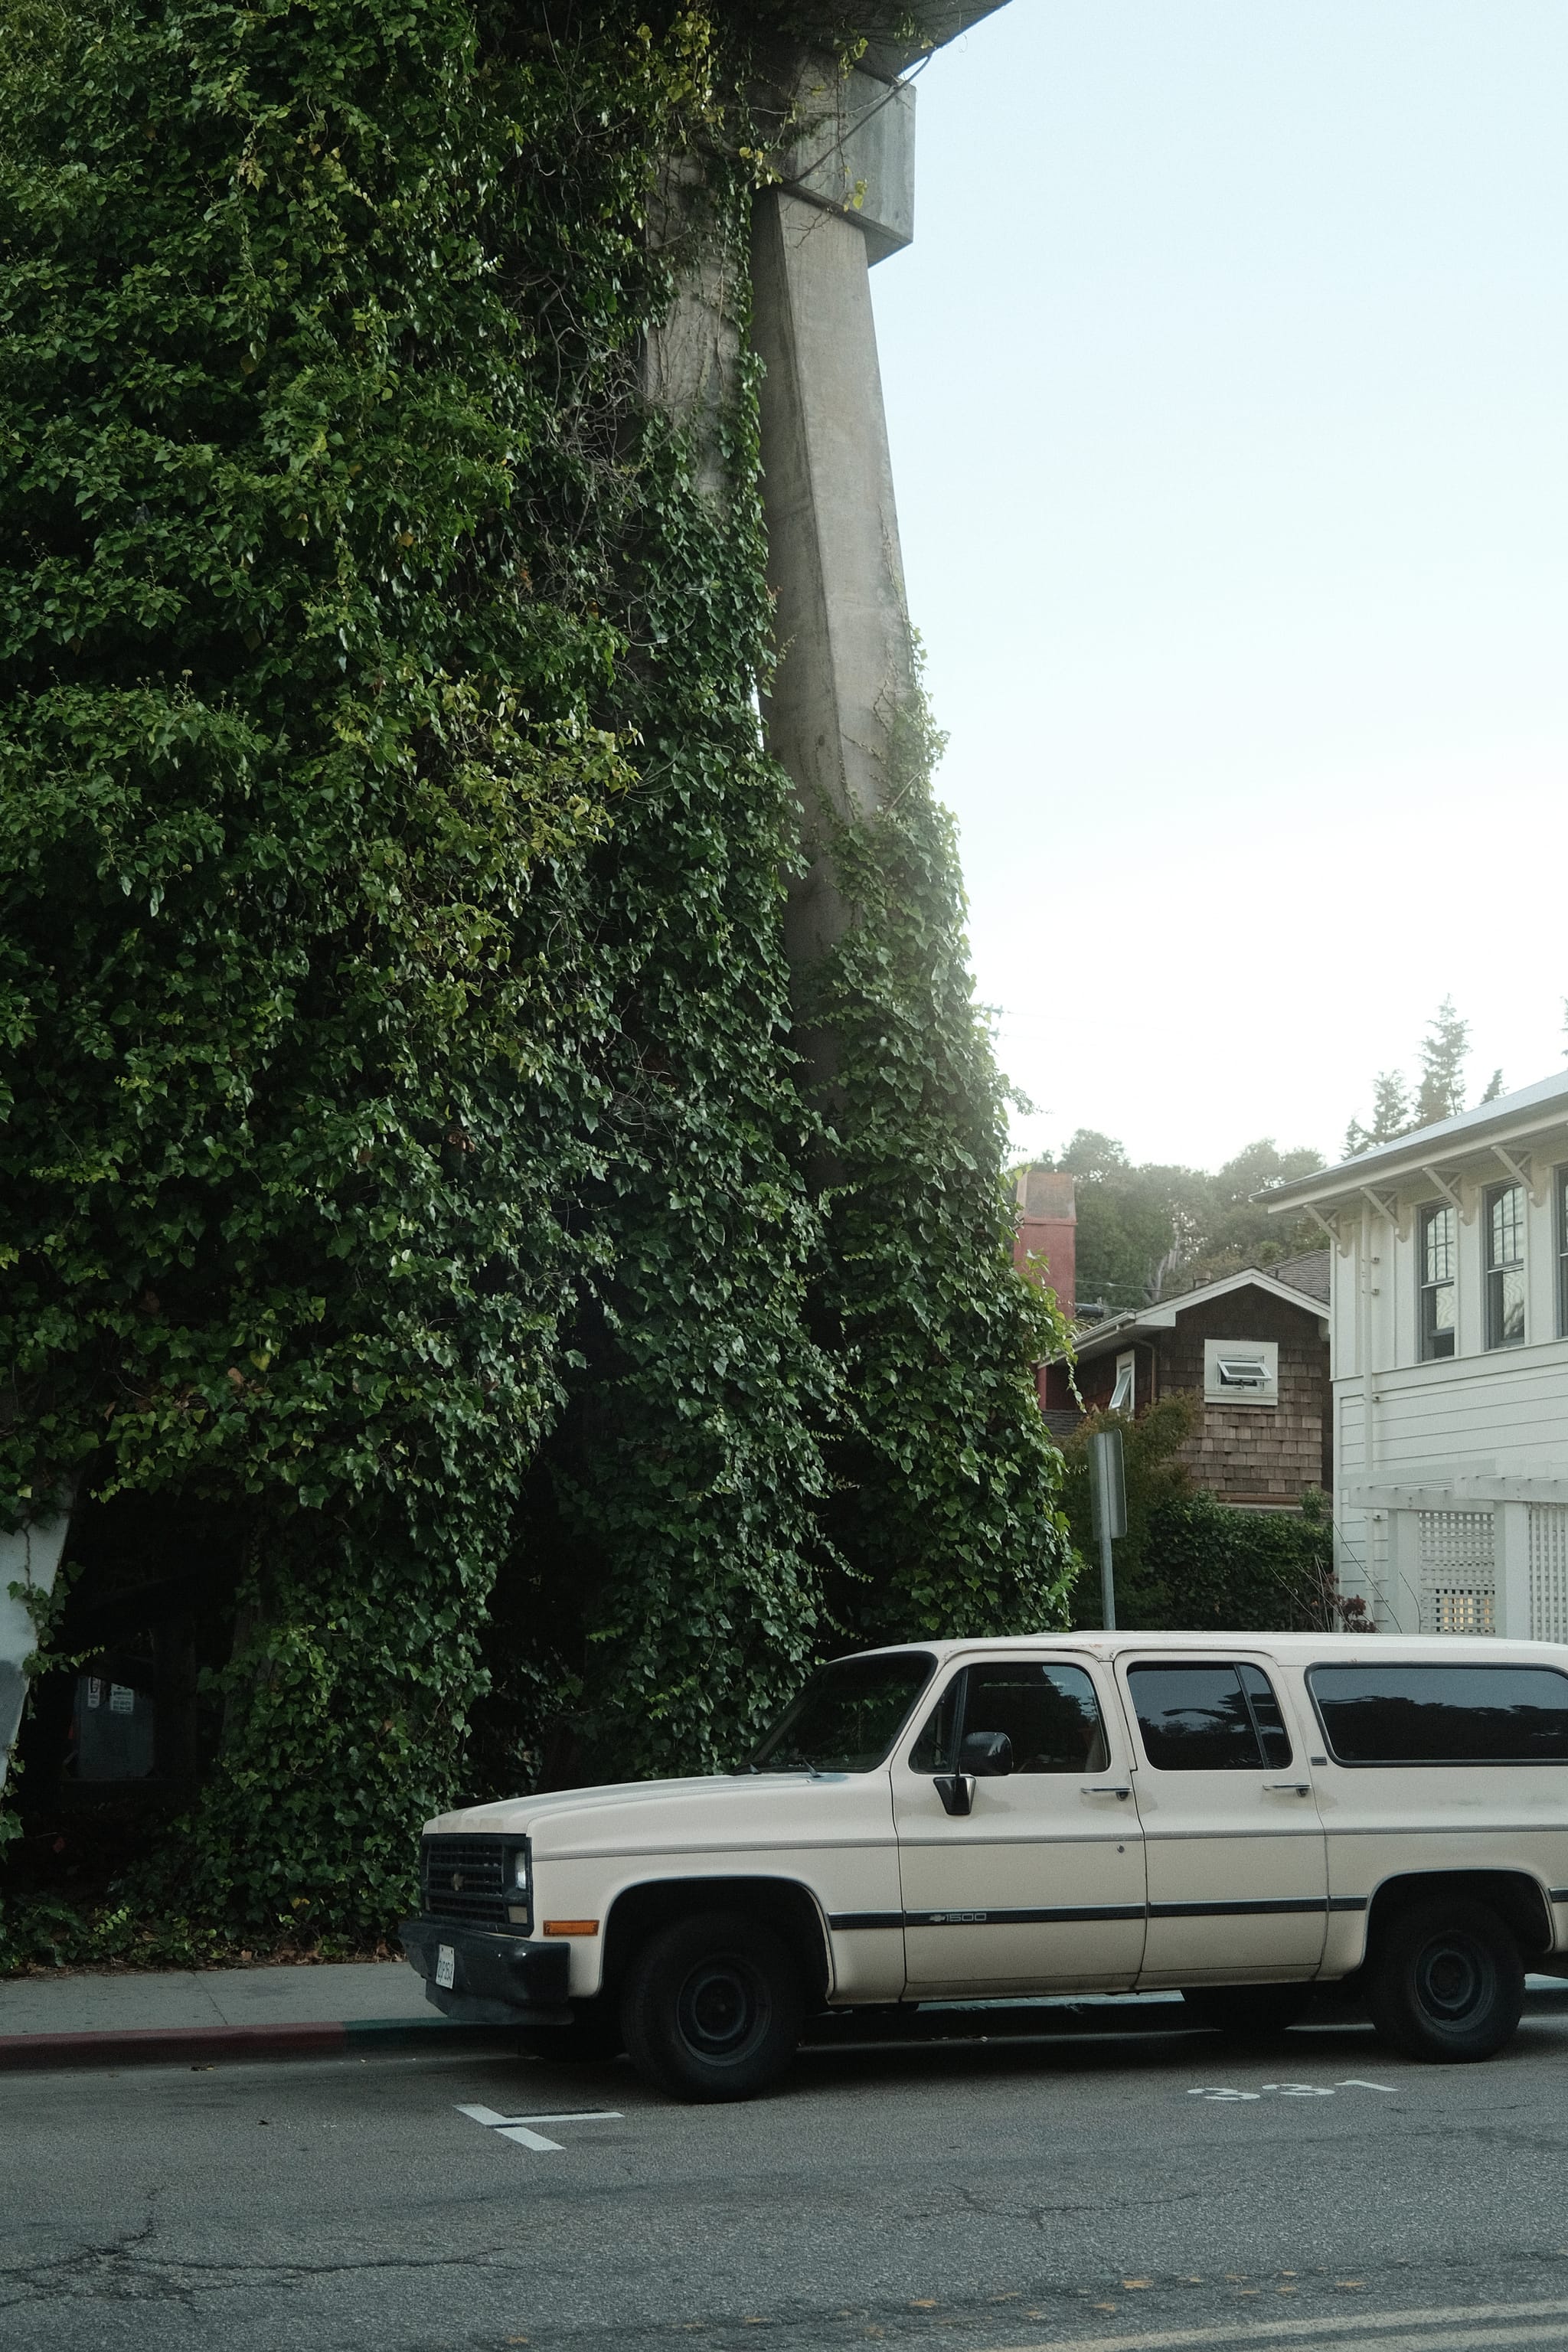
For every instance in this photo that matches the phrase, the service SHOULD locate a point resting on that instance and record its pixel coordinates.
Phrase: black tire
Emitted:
(1249, 2012)
(1446, 1981)
(713, 2007)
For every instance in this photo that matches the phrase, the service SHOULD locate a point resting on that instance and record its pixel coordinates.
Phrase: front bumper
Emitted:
(513, 1980)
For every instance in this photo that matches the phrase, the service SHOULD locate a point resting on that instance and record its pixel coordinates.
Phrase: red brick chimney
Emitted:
(1048, 1229)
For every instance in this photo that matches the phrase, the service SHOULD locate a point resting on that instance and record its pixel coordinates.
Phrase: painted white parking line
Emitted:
(573, 2115)
(1458, 2331)
(519, 2128)
(1290, 2090)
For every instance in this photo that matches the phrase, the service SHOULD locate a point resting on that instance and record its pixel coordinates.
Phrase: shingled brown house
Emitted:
(1254, 1347)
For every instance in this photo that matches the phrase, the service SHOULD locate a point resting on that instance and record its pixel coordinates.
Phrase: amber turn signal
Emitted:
(571, 1926)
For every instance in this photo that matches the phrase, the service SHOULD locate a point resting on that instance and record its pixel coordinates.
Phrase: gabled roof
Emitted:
(1510, 1118)
(1164, 1315)
(1311, 1271)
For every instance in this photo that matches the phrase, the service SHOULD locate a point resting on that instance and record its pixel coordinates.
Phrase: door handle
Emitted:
(1292, 1788)
(1106, 1789)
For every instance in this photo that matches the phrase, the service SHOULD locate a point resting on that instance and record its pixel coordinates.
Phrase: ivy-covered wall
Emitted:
(414, 1227)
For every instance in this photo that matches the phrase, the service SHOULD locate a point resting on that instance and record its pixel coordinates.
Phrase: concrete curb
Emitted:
(170, 2045)
(937, 2021)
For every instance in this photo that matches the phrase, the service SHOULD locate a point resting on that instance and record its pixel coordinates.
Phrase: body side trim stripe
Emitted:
(1064, 1915)
(1238, 1910)
(1067, 1914)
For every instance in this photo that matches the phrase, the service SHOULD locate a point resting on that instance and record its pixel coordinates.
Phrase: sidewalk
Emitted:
(114, 2019)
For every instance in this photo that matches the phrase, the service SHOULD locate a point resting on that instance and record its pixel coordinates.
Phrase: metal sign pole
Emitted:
(1108, 1495)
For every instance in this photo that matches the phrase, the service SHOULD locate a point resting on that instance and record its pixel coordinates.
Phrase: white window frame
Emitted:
(1425, 1216)
(1489, 1200)
(1218, 1390)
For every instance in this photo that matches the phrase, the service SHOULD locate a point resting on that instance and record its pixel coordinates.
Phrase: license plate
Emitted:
(446, 1965)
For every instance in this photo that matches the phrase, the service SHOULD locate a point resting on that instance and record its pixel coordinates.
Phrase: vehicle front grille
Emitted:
(464, 1879)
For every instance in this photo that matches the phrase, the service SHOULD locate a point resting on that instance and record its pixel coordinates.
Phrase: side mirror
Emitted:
(983, 1756)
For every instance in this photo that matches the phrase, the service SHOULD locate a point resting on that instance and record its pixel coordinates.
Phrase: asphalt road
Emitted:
(1153, 2189)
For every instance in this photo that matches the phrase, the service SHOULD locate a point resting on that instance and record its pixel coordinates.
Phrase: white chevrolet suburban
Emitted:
(1240, 1817)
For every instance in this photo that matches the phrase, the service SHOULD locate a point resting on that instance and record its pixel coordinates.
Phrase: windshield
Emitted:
(848, 1716)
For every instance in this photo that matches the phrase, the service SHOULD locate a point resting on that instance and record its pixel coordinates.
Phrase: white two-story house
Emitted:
(1448, 1324)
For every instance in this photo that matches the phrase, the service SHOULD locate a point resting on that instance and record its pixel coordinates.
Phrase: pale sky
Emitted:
(1227, 381)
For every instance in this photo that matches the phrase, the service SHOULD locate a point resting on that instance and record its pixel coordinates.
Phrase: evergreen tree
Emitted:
(1390, 1115)
(1441, 1092)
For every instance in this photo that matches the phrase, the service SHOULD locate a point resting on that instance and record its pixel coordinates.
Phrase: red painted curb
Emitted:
(162, 2045)
(142, 2045)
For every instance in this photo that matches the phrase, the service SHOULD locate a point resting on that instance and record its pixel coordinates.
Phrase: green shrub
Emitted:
(1188, 1561)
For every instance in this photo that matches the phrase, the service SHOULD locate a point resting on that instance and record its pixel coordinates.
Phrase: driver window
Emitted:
(1048, 1712)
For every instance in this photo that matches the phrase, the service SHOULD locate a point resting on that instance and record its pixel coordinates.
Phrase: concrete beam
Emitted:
(854, 152)
(939, 21)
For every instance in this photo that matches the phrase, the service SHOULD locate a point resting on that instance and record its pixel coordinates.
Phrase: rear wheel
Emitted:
(713, 2007)
(1249, 2012)
(1446, 1982)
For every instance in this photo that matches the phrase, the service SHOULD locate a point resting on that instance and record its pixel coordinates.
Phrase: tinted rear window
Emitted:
(1442, 1715)
(1208, 1718)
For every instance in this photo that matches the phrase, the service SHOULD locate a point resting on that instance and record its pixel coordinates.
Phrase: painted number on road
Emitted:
(1290, 2090)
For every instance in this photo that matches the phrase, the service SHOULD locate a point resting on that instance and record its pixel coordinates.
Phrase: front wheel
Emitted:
(1446, 1982)
(713, 2007)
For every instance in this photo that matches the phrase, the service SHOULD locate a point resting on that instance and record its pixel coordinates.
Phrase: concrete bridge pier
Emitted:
(29, 1562)
(845, 670)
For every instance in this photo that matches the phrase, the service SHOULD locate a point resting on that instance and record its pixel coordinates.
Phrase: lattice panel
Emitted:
(1456, 1539)
(1549, 1571)
(1458, 1609)
(1458, 1575)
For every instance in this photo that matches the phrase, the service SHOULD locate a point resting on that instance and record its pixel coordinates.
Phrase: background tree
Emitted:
(1146, 1230)
(1437, 1093)
(1390, 1115)
(1440, 1091)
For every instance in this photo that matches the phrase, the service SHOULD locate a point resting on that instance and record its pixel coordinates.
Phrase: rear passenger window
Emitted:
(1049, 1713)
(1442, 1715)
(1208, 1718)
